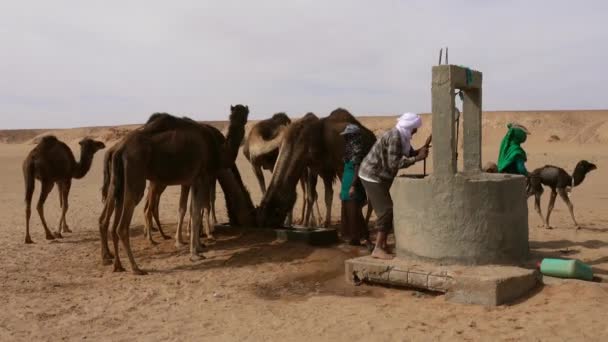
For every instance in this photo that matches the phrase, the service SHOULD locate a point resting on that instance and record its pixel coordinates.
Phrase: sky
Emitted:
(84, 63)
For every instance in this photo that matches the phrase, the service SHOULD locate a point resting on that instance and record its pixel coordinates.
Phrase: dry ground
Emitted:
(251, 287)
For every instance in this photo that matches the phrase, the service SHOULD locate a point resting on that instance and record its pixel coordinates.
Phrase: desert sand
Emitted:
(252, 287)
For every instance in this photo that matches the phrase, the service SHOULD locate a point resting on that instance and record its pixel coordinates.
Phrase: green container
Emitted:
(565, 268)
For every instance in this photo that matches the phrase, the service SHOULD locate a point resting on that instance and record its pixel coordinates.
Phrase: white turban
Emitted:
(405, 125)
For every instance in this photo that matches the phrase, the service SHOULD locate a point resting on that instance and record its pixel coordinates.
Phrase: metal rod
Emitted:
(440, 55)
(446, 56)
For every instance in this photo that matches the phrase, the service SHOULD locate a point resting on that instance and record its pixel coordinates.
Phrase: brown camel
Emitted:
(236, 131)
(169, 151)
(231, 145)
(52, 162)
(311, 144)
(262, 149)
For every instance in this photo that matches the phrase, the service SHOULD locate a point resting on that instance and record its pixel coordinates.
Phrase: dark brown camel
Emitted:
(52, 162)
(560, 183)
(168, 151)
(311, 144)
(231, 145)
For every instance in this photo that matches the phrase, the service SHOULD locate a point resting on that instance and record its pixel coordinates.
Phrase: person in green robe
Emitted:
(511, 156)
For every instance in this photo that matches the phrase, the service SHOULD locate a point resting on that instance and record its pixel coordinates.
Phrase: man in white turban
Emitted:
(393, 151)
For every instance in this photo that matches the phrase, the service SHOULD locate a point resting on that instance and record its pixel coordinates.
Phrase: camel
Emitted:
(232, 143)
(169, 151)
(261, 149)
(560, 183)
(236, 131)
(262, 145)
(52, 162)
(314, 146)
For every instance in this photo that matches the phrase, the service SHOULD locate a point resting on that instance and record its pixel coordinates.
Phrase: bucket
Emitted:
(566, 268)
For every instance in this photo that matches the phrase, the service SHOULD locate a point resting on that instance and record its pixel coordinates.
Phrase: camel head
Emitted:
(239, 114)
(90, 146)
(281, 119)
(580, 171)
(294, 157)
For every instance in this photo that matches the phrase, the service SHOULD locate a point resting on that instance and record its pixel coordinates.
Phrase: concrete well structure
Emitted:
(453, 217)
(461, 233)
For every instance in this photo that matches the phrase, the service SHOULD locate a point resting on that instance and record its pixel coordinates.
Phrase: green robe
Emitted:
(511, 153)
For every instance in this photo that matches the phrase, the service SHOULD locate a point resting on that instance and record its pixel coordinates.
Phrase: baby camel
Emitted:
(52, 161)
(560, 183)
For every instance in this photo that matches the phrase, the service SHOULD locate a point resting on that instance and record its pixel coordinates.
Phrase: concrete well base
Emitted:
(471, 219)
(483, 285)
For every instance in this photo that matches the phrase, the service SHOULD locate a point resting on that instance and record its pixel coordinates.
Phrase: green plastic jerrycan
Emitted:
(566, 268)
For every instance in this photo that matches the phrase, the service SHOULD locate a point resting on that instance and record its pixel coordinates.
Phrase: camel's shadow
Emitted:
(237, 247)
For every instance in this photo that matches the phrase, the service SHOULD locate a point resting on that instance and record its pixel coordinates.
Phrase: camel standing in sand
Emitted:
(311, 144)
(262, 149)
(52, 162)
(169, 151)
(231, 145)
(262, 145)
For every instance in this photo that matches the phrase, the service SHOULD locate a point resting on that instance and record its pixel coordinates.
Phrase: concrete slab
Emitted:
(483, 285)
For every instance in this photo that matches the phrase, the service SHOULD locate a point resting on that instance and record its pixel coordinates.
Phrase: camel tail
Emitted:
(106, 176)
(29, 177)
(118, 176)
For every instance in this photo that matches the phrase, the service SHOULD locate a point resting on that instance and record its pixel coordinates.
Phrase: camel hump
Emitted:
(157, 116)
(48, 139)
(341, 114)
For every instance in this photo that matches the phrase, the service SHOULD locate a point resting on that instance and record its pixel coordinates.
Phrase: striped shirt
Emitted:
(385, 159)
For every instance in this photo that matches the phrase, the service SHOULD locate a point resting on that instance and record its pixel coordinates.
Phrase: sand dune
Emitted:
(252, 287)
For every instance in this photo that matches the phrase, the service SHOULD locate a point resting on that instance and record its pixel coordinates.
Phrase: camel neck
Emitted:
(235, 135)
(83, 165)
(578, 176)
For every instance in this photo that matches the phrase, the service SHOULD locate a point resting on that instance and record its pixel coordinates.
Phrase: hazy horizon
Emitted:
(73, 64)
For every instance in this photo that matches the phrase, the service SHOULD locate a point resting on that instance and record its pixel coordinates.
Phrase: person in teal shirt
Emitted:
(511, 156)
(352, 193)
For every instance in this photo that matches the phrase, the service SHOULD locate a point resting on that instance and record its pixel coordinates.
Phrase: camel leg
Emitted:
(550, 208)
(259, 174)
(305, 197)
(123, 231)
(44, 192)
(183, 202)
(311, 190)
(198, 193)
(212, 204)
(65, 205)
(29, 192)
(134, 188)
(564, 195)
(329, 197)
(538, 209)
(207, 209)
(155, 212)
(148, 213)
(115, 238)
(63, 189)
(60, 189)
(104, 222)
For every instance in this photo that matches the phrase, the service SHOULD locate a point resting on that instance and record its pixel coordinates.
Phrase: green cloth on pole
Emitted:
(510, 149)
